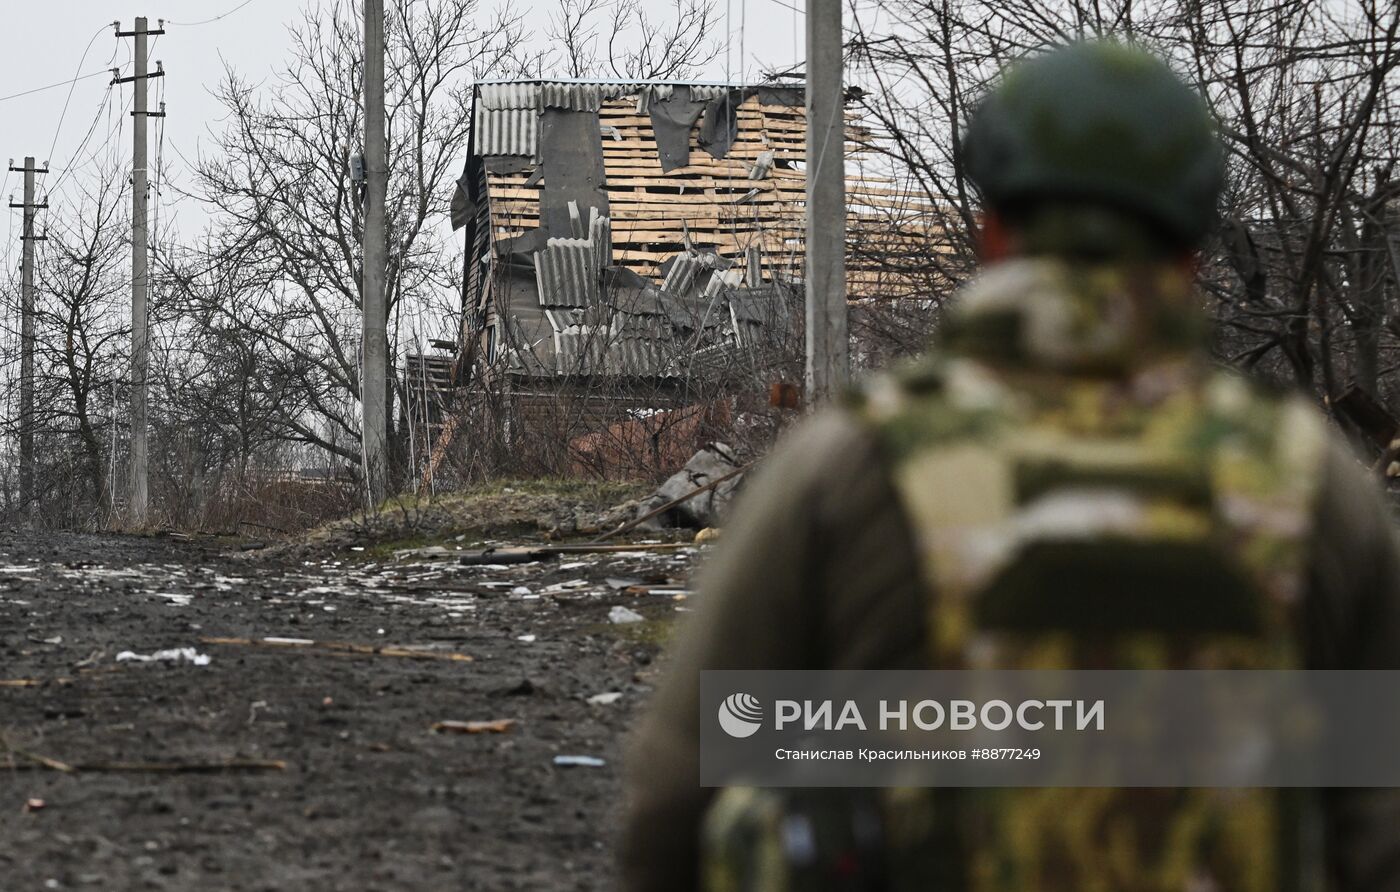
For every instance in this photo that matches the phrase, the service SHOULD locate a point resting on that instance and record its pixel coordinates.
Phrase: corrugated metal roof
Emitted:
(615, 83)
(681, 276)
(507, 131)
(566, 272)
(649, 93)
(721, 279)
(514, 95)
(704, 92)
(600, 234)
(576, 97)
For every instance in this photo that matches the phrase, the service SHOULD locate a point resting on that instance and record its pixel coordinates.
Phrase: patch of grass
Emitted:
(656, 632)
(493, 509)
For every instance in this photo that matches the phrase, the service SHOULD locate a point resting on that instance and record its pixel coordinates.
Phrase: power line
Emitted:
(92, 128)
(73, 85)
(214, 19)
(82, 77)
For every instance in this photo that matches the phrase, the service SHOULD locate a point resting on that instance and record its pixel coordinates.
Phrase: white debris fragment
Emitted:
(579, 761)
(173, 655)
(569, 586)
(520, 590)
(605, 699)
(620, 614)
(528, 639)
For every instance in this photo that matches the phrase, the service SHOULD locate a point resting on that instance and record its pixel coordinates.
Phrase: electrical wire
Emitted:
(214, 19)
(74, 84)
(159, 165)
(81, 77)
(102, 106)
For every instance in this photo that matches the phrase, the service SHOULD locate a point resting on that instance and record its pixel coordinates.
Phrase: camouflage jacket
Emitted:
(822, 566)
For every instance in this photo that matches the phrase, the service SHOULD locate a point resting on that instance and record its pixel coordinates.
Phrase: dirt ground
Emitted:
(172, 787)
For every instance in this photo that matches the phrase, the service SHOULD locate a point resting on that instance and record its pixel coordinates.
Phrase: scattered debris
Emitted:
(33, 805)
(605, 699)
(528, 639)
(497, 726)
(621, 615)
(173, 655)
(504, 556)
(340, 648)
(579, 761)
(714, 473)
(431, 551)
(708, 534)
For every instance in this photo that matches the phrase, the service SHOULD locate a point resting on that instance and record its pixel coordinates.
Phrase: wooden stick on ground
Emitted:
(339, 648)
(33, 760)
(40, 762)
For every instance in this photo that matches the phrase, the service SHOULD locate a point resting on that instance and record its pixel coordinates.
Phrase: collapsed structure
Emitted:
(648, 230)
(634, 260)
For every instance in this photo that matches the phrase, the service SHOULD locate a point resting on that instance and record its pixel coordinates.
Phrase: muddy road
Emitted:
(289, 765)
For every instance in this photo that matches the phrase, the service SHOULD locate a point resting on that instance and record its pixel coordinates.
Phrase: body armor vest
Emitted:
(1081, 497)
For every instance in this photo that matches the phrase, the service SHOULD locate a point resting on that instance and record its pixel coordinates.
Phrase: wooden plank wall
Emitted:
(652, 211)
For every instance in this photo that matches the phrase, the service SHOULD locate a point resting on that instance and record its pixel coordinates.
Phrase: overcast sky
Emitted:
(51, 42)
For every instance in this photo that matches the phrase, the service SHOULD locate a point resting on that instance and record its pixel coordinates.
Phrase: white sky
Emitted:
(51, 42)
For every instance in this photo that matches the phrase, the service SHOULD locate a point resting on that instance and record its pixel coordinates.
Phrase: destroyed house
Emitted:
(635, 230)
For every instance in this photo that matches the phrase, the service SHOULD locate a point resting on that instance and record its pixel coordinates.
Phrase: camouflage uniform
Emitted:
(835, 561)
(1066, 481)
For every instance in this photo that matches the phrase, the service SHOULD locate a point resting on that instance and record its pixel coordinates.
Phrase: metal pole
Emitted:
(828, 359)
(374, 346)
(139, 282)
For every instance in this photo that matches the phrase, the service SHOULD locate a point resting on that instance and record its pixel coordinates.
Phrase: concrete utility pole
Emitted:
(374, 342)
(828, 349)
(140, 278)
(26, 339)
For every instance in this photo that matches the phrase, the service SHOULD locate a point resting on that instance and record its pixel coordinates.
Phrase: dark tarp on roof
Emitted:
(571, 156)
(672, 118)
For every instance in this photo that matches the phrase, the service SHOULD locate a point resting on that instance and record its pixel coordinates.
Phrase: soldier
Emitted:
(1072, 374)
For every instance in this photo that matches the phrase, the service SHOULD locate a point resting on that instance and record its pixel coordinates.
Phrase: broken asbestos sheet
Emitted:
(173, 655)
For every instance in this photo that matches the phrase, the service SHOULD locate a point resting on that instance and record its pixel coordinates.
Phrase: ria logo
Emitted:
(740, 715)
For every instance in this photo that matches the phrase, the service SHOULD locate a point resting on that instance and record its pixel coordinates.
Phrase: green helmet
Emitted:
(1099, 124)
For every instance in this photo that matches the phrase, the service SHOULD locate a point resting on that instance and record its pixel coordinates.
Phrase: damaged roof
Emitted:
(689, 194)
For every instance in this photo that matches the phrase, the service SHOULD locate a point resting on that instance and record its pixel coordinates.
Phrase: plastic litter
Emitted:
(605, 699)
(173, 655)
(620, 614)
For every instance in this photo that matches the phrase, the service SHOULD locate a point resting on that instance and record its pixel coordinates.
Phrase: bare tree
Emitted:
(280, 183)
(624, 40)
(1303, 276)
(81, 344)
